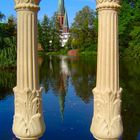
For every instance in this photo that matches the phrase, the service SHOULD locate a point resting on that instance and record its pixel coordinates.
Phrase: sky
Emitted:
(48, 7)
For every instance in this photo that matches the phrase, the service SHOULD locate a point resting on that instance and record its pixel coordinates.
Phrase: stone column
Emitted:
(28, 119)
(107, 122)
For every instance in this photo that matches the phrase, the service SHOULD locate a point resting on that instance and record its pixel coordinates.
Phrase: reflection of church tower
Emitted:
(63, 21)
(63, 84)
(62, 104)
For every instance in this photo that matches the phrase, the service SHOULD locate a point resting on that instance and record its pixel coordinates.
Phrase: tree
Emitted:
(44, 33)
(125, 23)
(39, 32)
(129, 28)
(8, 42)
(55, 33)
(135, 32)
(8, 33)
(83, 30)
(2, 16)
(11, 28)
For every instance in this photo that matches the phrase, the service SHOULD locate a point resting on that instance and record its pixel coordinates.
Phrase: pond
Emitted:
(68, 99)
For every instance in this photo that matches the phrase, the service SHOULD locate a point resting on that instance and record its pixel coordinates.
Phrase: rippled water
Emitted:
(68, 100)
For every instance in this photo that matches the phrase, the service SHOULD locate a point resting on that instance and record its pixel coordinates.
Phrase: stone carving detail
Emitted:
(101, 1)
(28, 113)
(27, 1)
(27, 4)
(107, 116)
(108, 4)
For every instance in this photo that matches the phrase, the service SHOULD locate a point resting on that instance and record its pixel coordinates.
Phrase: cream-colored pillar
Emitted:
(107, 122)
(28, 119)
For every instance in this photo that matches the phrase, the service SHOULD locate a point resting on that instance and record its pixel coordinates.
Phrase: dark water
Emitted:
(67, 98)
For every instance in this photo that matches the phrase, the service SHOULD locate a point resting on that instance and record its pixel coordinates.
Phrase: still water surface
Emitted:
(68, 100)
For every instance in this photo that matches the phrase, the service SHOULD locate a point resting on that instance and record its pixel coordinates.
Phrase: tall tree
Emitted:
(129, 28)
(125, 23)
(8, 33)
(11, 26)
(2, 16)
(55, 33)
(135, 32)
(44, 33)
(8, 42)
(83, 30)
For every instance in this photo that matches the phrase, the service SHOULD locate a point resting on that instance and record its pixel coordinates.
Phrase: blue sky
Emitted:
(48, 7)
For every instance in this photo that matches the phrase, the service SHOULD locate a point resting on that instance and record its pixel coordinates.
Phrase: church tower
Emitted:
(66, 23)
(61, 12)
(63, 21)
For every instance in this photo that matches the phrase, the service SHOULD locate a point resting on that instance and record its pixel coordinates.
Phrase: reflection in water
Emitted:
(130, 79)
(7, 82)
(83, 77)
(55, 74)
(63, 84)
(68, 84)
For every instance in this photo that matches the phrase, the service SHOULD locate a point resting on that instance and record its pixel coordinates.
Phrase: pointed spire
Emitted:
(66, 23)
(61, 7)
(62, 104)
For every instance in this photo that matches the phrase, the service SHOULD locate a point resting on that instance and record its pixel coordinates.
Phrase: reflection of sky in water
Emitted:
(76, 122)
(67, 100)
(139, 136)
(73, 125)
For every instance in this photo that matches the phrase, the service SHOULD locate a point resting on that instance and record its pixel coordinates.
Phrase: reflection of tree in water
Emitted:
(130, 79)
(50, 73)
(7, 82)
(83, 77)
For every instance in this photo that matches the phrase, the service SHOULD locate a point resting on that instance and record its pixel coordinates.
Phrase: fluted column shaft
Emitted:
(107, 123)
(27, 68)
(108, 64)
(28, 119)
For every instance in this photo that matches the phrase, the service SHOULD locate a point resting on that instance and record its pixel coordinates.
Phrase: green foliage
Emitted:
(44, 36)
(8, 54)
(129, 28)
(55, 33)
(49, 34)
(8, 42)
(125, 23)
(83, 30)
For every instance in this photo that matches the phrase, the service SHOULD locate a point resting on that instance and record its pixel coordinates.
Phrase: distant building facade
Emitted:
(63, 21)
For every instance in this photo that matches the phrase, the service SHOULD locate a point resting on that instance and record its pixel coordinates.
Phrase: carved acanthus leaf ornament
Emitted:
(28, 113)
(107, 112)
(33, 4)
(101, 4)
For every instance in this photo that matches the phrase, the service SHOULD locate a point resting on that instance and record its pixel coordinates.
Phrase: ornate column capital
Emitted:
(27, 4)
(108, 4)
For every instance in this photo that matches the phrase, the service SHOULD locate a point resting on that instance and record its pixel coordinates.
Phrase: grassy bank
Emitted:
(61, 52)
(65, 52)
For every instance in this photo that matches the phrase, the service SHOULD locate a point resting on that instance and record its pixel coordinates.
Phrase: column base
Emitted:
(107, 122)
(28, 119)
